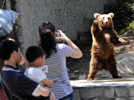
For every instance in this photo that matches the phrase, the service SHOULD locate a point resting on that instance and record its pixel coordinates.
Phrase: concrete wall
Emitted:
(106, 90)
(71, 16)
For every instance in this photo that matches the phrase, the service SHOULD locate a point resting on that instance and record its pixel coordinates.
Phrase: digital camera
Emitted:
(57, 34)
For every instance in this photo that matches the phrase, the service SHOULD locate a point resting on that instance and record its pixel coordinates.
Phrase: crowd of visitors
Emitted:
(46, 77)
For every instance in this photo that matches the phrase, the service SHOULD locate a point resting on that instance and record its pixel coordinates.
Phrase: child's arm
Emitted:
(48, 82)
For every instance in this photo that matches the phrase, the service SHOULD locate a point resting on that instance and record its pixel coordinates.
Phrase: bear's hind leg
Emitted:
(92, 74)
(94, 68)
(111, 66)
(114, 73)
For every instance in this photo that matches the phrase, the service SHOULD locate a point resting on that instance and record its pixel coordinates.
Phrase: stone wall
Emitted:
(106, 90)
(71, 16)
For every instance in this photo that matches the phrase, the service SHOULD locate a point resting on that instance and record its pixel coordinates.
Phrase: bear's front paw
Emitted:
(121, 40)
(96, 21)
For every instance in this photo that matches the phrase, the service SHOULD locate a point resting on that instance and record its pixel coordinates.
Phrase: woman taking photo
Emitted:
(56, 54)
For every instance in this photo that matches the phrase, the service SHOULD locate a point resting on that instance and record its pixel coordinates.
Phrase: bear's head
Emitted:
(105, 20)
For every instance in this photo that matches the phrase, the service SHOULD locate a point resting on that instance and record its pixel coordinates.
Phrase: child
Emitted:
(35, 57)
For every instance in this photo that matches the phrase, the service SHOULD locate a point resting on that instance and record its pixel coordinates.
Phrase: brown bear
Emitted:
(102, 52)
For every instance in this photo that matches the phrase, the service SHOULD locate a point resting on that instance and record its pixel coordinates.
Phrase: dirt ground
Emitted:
(78, 68)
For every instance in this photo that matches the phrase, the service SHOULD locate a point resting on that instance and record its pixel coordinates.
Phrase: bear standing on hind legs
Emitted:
(102, 52)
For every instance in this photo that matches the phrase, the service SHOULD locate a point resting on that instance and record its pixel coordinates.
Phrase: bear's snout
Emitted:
(105, 21)
(105, 24)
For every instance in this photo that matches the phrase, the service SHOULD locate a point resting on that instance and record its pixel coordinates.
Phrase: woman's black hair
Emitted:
(47, 25)
(47, 40)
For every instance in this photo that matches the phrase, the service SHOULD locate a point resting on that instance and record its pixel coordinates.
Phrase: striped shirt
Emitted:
(57, 71)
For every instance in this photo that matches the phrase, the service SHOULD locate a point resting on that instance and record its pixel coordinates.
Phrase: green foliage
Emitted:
(131, 26)
(124, 15)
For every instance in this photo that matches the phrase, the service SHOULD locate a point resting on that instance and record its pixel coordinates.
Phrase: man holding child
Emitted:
(16, 84)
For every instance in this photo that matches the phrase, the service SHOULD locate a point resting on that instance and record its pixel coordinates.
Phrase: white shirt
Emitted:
(57, 71)
(36, 74)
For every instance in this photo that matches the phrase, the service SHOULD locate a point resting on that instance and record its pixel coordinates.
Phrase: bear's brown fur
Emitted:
(102, 51)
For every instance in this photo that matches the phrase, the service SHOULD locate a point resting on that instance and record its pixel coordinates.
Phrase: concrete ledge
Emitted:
(117, 89)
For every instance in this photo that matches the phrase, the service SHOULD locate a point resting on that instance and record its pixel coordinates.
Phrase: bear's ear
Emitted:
(111, 14)
(96, 15)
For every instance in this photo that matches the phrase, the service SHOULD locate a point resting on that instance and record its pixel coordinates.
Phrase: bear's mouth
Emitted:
(105, 24)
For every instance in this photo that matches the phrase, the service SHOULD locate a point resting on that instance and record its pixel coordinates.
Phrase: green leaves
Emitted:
(124, 13)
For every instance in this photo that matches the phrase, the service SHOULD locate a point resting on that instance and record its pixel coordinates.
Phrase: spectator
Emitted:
(7, 21)
(16, 84)
(55, 59)
(2, 92)
(36, 71)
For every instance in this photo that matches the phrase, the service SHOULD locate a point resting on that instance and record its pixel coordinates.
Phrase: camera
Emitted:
(57, 34)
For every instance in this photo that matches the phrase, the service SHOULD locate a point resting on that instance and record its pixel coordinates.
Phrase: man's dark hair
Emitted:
(6, 49)
(34, 52)
(2, 38)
